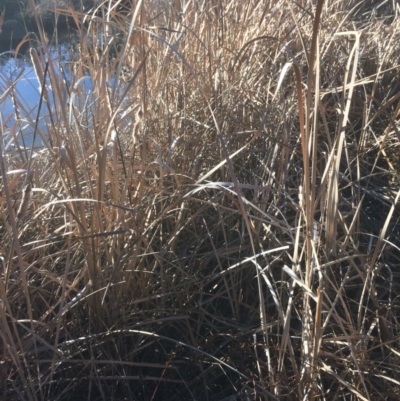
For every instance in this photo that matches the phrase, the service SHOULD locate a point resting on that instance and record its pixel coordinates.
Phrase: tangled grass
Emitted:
(217, 218)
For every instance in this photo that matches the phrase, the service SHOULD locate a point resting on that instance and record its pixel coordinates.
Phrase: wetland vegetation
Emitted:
(217, 216)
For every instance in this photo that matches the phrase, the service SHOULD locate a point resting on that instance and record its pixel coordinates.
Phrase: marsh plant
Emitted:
(217, 218)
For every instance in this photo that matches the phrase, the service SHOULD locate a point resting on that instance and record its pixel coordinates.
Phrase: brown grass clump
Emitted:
(217, 218)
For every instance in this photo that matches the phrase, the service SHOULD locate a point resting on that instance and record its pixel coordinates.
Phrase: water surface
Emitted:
(22, 113)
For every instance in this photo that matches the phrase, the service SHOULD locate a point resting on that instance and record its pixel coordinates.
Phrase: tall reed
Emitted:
(214, 214)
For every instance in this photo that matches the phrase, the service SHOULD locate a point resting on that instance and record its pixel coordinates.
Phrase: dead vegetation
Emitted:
(217, 218)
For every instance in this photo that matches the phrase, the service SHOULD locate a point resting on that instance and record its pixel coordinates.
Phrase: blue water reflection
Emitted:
(20, 91)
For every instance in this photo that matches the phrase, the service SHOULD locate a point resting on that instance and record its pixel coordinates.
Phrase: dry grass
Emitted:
(217, 219)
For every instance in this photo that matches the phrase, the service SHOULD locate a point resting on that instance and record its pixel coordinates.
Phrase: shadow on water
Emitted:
(13, 34)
